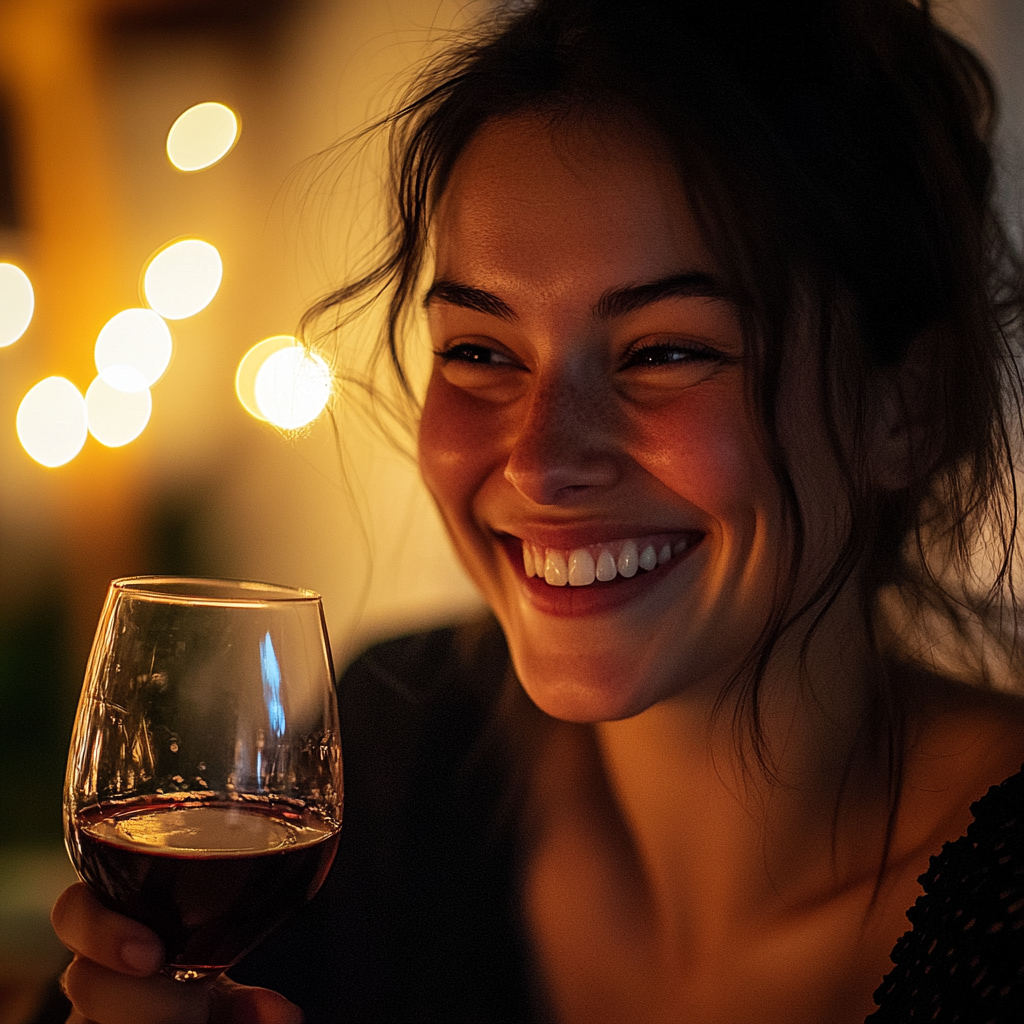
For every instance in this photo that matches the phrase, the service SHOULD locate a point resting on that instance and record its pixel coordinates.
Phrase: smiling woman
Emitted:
(723, 326)
(580, 336)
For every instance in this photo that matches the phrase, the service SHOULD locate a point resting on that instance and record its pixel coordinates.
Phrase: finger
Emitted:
(109, 997)
(85, 926)
(243, 1004)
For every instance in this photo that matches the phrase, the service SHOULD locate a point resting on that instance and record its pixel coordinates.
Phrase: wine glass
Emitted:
(204, 787)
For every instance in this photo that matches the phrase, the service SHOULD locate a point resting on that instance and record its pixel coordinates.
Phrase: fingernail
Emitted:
(144, 957)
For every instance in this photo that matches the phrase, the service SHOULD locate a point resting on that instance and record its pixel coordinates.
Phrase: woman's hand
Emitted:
(113, 978)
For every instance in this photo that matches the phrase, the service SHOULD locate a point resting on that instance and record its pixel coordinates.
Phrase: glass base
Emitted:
(189, 973)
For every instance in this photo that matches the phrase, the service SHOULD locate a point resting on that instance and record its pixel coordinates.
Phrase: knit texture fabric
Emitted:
(963, 960)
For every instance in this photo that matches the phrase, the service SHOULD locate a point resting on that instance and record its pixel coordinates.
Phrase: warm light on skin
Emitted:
(292, 387)
(51, 421)
(182, 278)
(249, 367)
(133, 349)
(201, 136)
(572, 408)
(17, 303)
(116, 417)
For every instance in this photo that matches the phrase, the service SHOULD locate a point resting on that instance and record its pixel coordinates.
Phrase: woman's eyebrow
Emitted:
(464, 295)
(617, 302)
(695, 284)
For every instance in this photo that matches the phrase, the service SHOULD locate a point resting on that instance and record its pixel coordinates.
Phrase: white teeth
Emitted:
(605, 566)
(556, 572)
(581, 568)
(528, 560)
(629, 559)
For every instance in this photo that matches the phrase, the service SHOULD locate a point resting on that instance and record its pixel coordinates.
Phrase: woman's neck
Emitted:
(670, 878)
(708, 818)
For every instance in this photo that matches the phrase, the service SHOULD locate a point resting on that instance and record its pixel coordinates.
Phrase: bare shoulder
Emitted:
(962, 740)
(954, 717)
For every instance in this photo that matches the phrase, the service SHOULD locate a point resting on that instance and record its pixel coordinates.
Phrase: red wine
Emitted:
(211, 879)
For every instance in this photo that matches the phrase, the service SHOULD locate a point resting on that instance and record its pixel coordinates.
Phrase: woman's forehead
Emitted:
(548, 200)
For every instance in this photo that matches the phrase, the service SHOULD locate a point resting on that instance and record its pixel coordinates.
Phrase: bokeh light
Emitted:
(17, 303)
(133, 349)
(292, 387)
(249, 367)
(182, 278)
(201, 136)
(51, 421)
(116, 417)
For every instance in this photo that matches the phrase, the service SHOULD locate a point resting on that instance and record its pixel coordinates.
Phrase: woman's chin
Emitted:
(578, 693)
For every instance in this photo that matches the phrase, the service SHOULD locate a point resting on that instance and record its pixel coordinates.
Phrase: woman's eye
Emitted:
(487, 371)
(474, 354)
(670, 354)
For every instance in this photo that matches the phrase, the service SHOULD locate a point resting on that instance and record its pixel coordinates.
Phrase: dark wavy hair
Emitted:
(837, 155)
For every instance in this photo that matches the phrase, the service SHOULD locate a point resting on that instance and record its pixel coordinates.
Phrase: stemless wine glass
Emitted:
(204, 788)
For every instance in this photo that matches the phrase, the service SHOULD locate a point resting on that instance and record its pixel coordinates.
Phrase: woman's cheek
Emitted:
(454, 453)
(704, 452)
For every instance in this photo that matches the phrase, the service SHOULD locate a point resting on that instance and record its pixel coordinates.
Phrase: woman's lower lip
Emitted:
(596, 597)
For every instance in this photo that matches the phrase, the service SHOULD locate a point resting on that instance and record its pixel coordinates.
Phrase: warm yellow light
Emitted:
(245, 377)
(292, 387)
(201, 136)
(116, 417)
(17, 303)
(51, 421)
(182, 278)
(133, 349)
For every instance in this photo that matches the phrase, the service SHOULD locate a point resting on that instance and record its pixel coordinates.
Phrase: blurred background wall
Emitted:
(88, 90)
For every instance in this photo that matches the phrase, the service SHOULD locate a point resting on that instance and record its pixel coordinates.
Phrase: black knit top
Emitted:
(963, 960)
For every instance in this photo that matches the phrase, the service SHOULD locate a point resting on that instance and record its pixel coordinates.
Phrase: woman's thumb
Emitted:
(243, 1004)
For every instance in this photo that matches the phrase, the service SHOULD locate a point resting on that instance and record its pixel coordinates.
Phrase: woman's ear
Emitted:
(906, 431)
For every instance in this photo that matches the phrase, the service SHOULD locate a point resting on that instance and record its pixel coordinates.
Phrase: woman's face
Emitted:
(589, 404)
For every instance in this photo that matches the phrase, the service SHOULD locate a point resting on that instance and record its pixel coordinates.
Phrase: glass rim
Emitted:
(211, 591)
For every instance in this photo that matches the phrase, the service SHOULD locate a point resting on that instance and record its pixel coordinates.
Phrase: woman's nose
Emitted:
(565, 448)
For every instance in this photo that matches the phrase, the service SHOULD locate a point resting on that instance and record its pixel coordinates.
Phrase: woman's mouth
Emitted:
(583, 566)
(591, 579)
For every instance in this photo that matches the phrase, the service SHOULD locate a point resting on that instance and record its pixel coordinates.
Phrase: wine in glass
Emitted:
(204, 784)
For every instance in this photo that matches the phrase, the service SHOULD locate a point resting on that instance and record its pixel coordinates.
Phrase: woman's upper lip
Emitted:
(568, 537)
